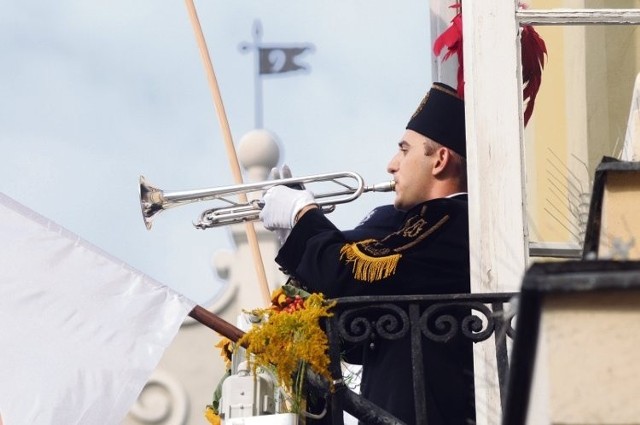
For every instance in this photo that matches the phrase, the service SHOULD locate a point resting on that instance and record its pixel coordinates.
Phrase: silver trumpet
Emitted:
(349, 187)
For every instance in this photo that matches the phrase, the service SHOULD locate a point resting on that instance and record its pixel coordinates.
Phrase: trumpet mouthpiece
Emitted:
(382, 187)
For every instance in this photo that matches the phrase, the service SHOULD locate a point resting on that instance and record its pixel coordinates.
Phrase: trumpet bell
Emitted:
(150, 202)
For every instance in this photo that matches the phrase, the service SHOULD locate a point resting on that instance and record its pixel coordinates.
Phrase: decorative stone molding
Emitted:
(163, 400)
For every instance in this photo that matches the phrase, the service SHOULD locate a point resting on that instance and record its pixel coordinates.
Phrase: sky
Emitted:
(95, 94)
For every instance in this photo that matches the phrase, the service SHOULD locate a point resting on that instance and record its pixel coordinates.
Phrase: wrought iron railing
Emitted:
(359, 320)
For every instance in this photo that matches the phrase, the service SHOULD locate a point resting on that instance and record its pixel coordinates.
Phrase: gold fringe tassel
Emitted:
(366, 267)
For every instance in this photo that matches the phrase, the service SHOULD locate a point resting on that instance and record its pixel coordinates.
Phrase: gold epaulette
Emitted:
(367, 267)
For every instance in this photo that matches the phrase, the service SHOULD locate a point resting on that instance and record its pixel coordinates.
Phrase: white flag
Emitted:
(80, 331)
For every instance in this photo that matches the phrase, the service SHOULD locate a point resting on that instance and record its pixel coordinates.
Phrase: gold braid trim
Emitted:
(366, 267)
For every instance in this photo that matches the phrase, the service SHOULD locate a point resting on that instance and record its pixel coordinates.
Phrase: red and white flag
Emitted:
(80, 331)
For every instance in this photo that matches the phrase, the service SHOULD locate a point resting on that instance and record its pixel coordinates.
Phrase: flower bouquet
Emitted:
(285, 339)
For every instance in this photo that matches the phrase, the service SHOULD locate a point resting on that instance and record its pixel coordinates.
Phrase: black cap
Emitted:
(440, 117)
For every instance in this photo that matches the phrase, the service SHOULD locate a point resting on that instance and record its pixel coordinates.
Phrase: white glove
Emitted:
(281, 205)
(283, 172)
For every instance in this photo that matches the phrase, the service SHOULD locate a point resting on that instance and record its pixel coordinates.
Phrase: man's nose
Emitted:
(392, 167)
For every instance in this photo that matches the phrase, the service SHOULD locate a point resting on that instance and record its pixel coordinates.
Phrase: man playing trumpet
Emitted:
(425, 250)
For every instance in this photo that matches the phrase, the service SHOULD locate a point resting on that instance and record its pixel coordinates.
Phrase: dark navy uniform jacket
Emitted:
(422, 251)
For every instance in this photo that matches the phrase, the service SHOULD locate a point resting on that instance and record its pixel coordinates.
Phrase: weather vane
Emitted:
(272, 60)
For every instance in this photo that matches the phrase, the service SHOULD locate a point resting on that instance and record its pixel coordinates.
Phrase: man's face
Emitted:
(411, 170)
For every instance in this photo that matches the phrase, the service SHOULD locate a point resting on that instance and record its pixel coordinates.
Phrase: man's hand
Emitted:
(283, 172)
(281, 205)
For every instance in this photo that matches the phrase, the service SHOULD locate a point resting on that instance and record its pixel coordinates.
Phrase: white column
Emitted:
(498, 233)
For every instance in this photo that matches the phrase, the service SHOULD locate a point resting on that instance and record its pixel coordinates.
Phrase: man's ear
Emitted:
(442, 157)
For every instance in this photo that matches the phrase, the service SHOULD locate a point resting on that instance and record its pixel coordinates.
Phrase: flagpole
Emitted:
(257, 32)
(215, 323)
(231, 151)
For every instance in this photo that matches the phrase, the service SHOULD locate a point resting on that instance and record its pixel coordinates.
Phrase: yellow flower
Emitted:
(226, 350)
(277, 296)
(211, 416)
